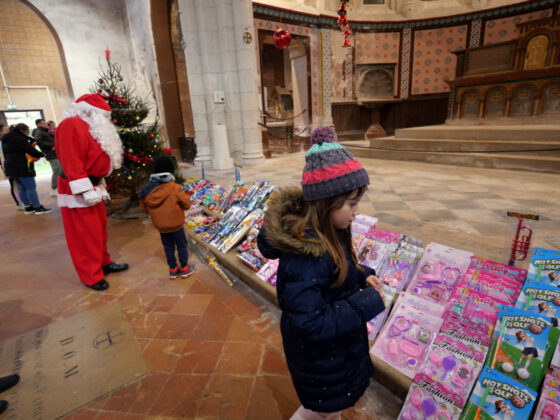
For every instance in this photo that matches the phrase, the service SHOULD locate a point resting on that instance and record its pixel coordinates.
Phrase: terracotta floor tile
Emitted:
(240, 358)
(274, 362)
(162, 304)
(83, 414)
(146, 325)
(178, 326)
(216, 307)
(274, 398)
(198, 288)
(240, 331)
(213, 327)
(162, 355)
(135, 303)
(177, 287)
(111, 415)
(199, 357)
(147, 392)
(241, 306)
(226, 396)
(181, 395)
(192, 304)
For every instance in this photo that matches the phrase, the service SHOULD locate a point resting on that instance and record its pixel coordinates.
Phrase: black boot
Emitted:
(8, 381)
(3, 406)
(114, 268)
(99, 286)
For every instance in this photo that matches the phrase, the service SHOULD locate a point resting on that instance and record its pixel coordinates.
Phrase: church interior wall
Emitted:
(503, 29)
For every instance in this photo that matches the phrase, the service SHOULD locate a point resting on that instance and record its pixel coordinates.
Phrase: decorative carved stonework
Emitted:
(375, 81)
(470, 104)
(496, 102)
(523, 100)
(551, 99)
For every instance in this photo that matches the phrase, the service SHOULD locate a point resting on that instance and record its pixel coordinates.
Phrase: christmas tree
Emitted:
(141, 142)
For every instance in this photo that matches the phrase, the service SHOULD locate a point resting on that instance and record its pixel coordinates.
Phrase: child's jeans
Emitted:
(305, 414)
(169, 241)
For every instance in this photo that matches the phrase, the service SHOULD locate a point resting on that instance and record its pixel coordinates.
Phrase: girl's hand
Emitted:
(374, 282)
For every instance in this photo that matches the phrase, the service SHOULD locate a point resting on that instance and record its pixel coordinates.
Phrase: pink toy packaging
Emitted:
(471, 334)
(549, 403)
(517, 274)
(439, 271)
(386, 236)
(430, 399)
(405, 338)
(500, 287)
(476, 306)
(455, 364)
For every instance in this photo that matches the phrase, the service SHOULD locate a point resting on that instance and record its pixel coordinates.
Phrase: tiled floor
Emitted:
(214, 351)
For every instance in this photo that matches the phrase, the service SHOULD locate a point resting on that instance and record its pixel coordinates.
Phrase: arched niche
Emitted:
(523, 100)
(495, 102)
(470, 104)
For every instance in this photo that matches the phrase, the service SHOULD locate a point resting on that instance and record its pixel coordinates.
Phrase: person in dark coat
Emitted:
(4, 129)
(17, 149)
(326, 297)
(45, 141)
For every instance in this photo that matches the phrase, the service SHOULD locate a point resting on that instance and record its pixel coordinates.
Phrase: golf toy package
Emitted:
(540, 298)
(545, 266)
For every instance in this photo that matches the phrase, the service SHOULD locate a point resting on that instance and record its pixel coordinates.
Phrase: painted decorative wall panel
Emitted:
(501, 30)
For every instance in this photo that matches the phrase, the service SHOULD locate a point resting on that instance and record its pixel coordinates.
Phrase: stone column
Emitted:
(190, 24)
(248, 84)
(326, 112)
(229, 76)
(298, 58)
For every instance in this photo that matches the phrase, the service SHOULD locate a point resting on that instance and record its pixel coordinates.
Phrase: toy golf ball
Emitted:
(507, 367)
(523, 373)
(535, 329)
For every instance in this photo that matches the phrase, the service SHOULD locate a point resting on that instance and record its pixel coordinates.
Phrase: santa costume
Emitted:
(88, 148)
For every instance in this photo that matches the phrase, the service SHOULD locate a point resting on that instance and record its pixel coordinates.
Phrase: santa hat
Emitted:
(94, 100)
(330, 170)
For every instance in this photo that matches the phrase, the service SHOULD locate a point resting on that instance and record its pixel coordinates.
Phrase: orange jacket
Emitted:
(166, 205)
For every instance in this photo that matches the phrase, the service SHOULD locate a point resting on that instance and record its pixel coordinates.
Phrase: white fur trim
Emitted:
(101, 129)
(80, 185)
(77, 201)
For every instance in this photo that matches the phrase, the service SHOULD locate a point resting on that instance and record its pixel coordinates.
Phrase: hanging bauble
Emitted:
(129, 178)
(99, 90)
(137, 118)
(152, 136)
(120, 78)
(114, 121)
(282, 39)
(130, 150)
(100, 81)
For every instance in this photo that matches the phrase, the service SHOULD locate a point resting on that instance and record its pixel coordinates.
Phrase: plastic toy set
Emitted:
(545, 266)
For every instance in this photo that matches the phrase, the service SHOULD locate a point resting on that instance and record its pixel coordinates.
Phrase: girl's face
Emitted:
(345, 215)
(523, 336)
(502, 405)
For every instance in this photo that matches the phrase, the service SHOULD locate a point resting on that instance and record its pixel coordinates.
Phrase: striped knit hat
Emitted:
(330, 170)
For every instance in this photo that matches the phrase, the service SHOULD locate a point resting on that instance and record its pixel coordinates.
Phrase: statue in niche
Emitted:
(535, 53)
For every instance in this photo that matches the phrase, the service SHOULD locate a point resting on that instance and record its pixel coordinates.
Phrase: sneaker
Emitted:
(53, 193)
(173, 273)
(20, 207)
(29, 209)
(41, 210)
(186, 271)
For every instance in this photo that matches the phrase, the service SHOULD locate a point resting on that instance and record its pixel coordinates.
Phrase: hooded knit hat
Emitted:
(95, 100)
(163, 164)
(330, 170)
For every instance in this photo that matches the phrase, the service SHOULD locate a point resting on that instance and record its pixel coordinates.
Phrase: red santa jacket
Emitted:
(81, 157)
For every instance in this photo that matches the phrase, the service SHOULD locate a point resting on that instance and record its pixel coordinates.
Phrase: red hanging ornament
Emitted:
(343, 22)
(107, 53)
(282, 39)
(100, 90)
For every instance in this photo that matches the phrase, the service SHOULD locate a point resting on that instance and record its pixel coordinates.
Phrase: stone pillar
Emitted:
(229, 76)
(298, 58)
(326, 111)
(248, 84)
(190, 28)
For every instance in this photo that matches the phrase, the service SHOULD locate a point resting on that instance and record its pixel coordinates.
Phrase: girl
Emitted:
(549, 311)
(322, 291)
(529, 350)
(504, 409)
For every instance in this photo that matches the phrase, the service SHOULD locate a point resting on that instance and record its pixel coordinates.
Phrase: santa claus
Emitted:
(88, 148)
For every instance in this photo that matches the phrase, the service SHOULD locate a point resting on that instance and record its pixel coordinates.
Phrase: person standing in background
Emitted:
(45, 141)
(3, 130)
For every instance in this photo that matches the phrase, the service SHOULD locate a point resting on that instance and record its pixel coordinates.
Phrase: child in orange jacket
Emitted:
(166, 202)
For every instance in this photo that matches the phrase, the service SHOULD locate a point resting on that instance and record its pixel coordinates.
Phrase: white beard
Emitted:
(101, 129)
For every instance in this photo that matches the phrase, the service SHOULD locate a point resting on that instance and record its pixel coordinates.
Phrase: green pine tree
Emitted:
(141, 142)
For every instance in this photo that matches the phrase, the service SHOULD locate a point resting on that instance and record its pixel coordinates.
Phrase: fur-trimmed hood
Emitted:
(277, 232)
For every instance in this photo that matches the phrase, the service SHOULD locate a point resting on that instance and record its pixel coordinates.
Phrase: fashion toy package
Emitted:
(497, 396)
(549, 402)
(477, 307)
(439, 271)
(501, 287)
(268, 270)
(522, 345)
(363, 225)
(545, 266)
(428, 398)
(386, 236)
(540, 298)
(505, 270)
(373, 253)
(405, 339)
(462, 329)
(455, 364)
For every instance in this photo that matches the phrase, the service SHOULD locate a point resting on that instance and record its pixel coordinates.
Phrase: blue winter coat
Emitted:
(323, 328)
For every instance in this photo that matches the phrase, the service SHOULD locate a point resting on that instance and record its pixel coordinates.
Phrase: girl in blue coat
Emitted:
(326, 297)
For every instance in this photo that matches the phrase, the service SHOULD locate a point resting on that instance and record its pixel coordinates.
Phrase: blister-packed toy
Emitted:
(501, 287)
(541, 298)
(476, 306)
(545, 266)
(430, 399)
(517, 274)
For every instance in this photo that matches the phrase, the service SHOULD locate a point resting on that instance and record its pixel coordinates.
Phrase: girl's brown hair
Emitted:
(316, 216)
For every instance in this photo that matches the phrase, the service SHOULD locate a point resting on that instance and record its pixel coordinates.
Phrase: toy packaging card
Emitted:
(404, 340)
(239, 231)
(474, 305)
(501, 287)
(386, 236)
(551, 388)
(521, 347)
(468, 332)
(455, 364)
(439, 271)
(372, 253)
(253, 258)
(268, 270)
(540, 298)
(505, 270)
(397, 271)
(428, 398)
(363, 224)
(497, 396)
(545, 266)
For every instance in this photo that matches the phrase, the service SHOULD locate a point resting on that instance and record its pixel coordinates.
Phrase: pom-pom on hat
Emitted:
(330, 170)
(95, 100)
(163, 164)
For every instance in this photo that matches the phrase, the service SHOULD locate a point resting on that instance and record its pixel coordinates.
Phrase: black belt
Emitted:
(95, 180)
